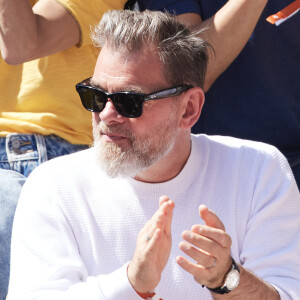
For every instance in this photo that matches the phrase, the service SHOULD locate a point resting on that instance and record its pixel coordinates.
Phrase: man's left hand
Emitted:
(209, 247)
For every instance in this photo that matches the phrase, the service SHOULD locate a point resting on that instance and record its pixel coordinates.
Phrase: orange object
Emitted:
(147, 295)
(285, 13)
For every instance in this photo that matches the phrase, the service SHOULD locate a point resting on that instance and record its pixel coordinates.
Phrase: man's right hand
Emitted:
(153, 249)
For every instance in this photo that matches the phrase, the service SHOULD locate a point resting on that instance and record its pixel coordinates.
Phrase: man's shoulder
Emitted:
(228, 155)
(68, 164)
(86, 155)
(228, 144)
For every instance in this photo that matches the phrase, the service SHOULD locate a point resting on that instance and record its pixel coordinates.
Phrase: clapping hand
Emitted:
(153, 249)
(208, 247)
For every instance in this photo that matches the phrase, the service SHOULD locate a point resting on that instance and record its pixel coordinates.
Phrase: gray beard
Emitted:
(139, 155)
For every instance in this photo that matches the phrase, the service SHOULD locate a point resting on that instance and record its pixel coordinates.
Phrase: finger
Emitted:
(217, 235)
(198, 241)
(202, 275)
(189, 266)
(157, 218)
(165, 212)
(162, 219)
(168, 213)
(153, 243)
(163, 199)
(165, 207)
(210, 218)
(204, 244)
(201, 258)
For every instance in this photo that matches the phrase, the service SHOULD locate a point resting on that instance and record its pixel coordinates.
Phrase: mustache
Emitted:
(114, 129)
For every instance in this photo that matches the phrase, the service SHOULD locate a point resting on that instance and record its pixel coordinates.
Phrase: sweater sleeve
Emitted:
(272, 251)
(46, 262)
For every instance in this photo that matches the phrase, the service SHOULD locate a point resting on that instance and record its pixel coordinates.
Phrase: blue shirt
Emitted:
(258, 96)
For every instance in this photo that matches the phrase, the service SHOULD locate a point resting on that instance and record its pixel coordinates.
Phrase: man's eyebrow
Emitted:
(135, 89)
(128, 88)
(94, 84)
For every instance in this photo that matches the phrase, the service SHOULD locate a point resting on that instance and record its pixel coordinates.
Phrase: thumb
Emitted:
(210, 218)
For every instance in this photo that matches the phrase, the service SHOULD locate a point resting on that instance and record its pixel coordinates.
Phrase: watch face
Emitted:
(232, 280)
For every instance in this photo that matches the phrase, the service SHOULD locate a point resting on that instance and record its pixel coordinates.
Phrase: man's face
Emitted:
(127, 146)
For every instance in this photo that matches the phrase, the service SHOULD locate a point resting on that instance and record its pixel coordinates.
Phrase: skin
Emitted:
(212, 239)
(228, 32)
(28, 33)
(151, 257)
(115, 72)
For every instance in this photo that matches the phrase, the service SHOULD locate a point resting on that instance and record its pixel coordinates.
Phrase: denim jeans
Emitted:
(19, 155)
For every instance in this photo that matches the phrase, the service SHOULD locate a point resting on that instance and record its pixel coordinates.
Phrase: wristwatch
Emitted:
(231, 281)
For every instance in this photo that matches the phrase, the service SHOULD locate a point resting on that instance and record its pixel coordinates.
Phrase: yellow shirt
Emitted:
(40, 96)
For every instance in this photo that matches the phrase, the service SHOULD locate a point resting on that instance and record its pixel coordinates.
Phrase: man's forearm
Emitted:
(17, 28)
(28, 33)
(228, 31)
(250, 287)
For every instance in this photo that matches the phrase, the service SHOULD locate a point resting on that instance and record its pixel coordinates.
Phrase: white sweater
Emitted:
(75, 229)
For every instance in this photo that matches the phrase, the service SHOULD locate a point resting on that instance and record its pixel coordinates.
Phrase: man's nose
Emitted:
(109, 113)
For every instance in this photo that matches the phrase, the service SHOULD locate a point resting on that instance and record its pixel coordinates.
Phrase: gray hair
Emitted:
(183, 54)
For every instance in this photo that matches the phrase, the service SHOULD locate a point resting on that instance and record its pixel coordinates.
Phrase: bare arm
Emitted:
(28, 33)
(228, 31)
(215, 242)
(250, 287)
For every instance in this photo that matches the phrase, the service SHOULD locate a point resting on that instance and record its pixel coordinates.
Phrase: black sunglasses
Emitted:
(128, 104)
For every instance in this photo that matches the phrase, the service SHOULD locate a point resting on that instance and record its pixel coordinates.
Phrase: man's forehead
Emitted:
(103, 75)
(117, 83)
(141, 70)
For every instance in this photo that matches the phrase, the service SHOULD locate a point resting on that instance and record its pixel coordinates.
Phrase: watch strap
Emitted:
(223, 289)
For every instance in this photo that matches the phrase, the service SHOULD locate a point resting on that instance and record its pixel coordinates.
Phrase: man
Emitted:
(252, 89)
(89, 225)
(38, 41)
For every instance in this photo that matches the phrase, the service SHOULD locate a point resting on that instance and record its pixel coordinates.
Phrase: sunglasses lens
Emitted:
(92, 100)
(128, 105)
(99, 102)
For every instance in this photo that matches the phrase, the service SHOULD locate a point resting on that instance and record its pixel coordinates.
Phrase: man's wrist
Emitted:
(230, 281)
(137, 287)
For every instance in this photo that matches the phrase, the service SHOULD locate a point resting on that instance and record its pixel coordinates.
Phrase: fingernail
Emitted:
(183, 246)
(179, 259)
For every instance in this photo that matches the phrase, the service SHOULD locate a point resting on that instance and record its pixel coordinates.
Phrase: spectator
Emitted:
(48, 43)
(252, 84)
(80, 216)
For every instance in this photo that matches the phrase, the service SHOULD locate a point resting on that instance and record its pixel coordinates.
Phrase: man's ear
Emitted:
(194, 100)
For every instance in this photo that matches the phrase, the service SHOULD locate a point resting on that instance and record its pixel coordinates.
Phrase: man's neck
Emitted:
(170, 165)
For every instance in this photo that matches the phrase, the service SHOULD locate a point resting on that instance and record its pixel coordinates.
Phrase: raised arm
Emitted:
(28, 33)
(228, 31)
